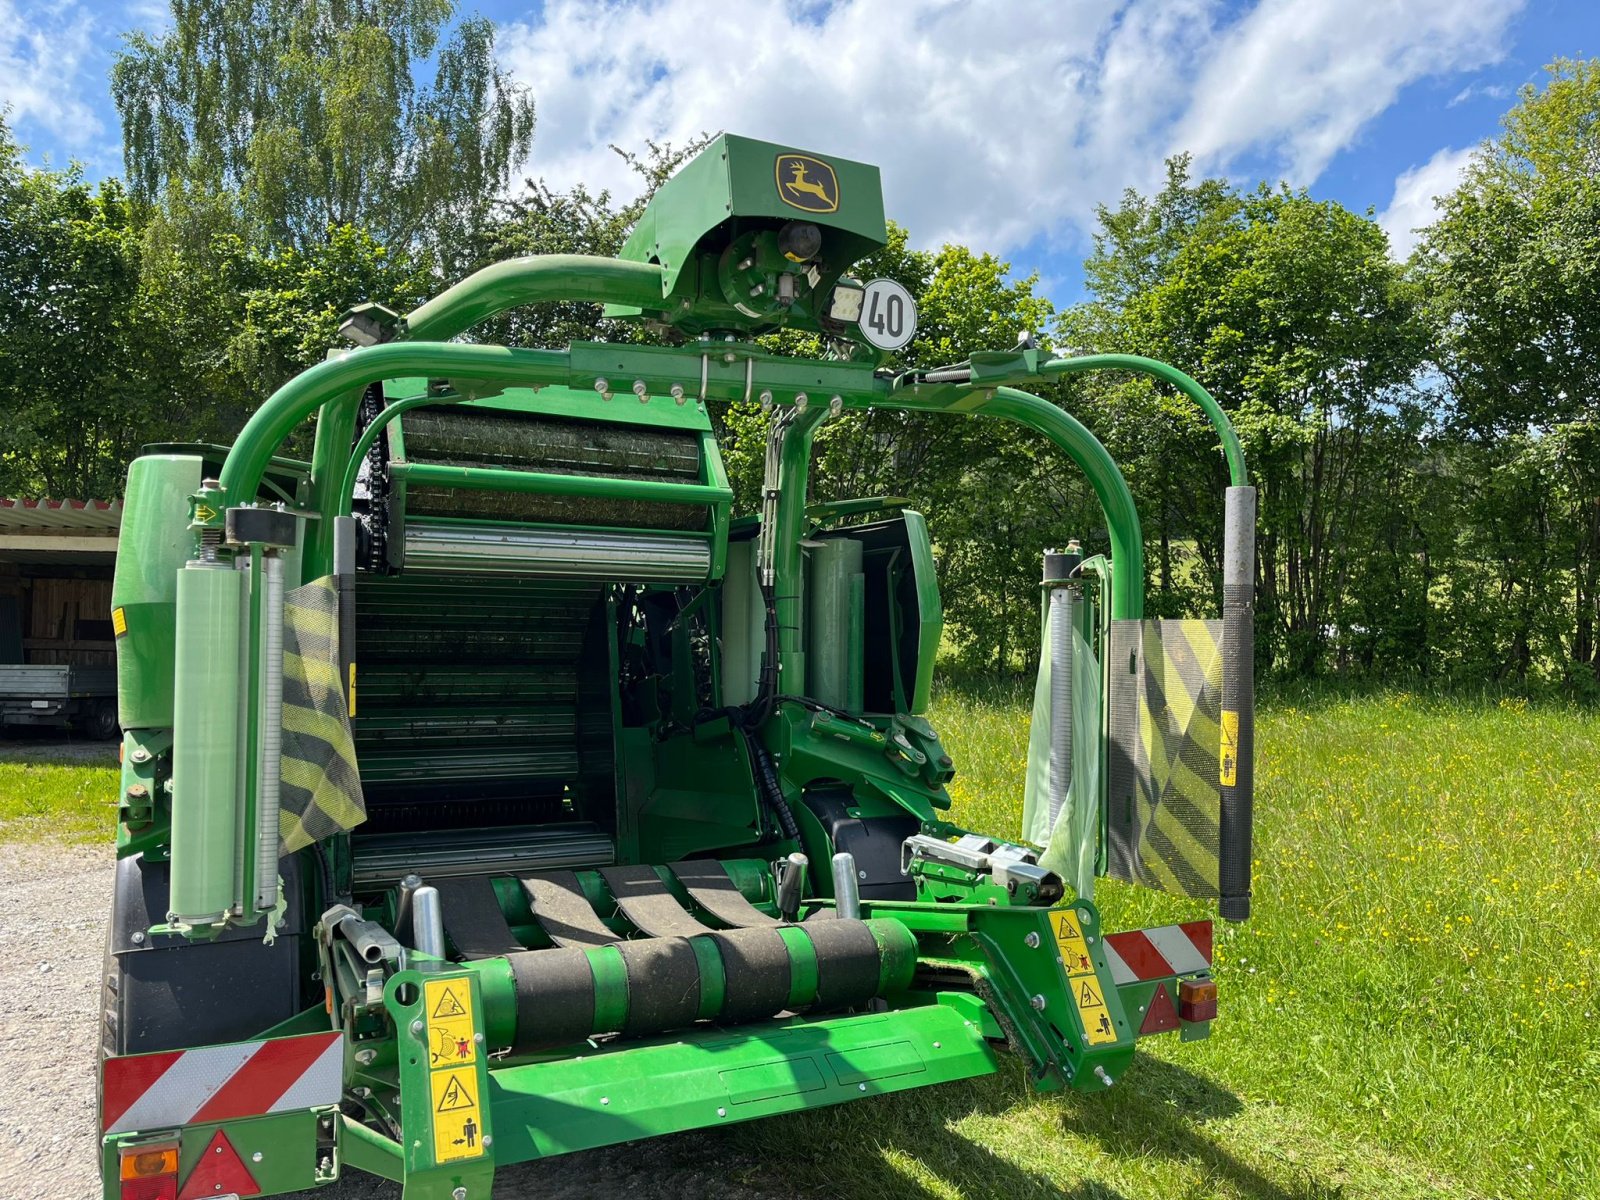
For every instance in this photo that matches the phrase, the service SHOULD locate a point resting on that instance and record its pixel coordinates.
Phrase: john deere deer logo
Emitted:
(807, 183)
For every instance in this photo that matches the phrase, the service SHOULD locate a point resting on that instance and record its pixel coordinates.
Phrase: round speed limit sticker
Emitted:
(888, 315)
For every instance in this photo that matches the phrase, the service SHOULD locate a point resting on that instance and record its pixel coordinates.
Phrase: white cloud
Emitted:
(1300, 78)
(1493, 91)
(1412, 205)
(995, 123)
(43, 50)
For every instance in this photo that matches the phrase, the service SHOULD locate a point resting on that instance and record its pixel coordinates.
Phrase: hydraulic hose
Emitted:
(767, 779)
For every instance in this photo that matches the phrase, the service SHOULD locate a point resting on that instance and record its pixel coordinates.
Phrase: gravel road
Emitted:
(53, 905)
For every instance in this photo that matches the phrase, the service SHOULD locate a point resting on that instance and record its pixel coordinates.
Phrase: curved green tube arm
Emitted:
(1184, 383)
(306, 392)
(544, 277)
(1073, 438)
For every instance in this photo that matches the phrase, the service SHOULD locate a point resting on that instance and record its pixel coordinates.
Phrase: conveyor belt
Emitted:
(473, 919)
(709, 885)
(645, 901)
(564, 912)
(681, 972)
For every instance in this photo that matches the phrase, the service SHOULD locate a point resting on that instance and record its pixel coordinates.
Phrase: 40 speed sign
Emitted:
(888, 315)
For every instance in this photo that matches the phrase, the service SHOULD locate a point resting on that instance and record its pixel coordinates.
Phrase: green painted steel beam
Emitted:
(712, 1078)
(548, 484)
(531, 280)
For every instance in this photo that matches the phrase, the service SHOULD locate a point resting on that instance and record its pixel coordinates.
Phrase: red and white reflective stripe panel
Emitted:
(1160, 953)
(221, 1083)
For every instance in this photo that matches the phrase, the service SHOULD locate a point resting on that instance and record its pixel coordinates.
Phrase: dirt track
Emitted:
(53, 902)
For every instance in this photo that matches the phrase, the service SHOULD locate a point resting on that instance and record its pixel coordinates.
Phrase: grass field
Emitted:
(1411, 1011)
(45, 794)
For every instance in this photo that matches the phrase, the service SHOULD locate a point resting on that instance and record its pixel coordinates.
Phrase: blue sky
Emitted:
(999, 123)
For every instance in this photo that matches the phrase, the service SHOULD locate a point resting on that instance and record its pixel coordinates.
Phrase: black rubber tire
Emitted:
(100, 720)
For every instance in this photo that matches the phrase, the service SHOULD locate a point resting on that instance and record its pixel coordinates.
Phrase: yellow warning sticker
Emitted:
(1092, 1011)
(1070, 945)
(452, 1036)
(1228, 755)
(457, 1119)
(119, 622)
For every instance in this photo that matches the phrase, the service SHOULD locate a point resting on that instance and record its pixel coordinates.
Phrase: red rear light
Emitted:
(151, 1187)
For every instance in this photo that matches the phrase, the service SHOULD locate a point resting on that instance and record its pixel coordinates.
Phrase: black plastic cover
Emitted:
(167, 993)
(874, 842)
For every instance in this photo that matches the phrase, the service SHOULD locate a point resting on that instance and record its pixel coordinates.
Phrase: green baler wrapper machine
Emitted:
(492, 790)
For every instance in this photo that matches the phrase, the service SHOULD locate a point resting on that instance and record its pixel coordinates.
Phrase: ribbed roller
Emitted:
(461, 547)
(461, 436)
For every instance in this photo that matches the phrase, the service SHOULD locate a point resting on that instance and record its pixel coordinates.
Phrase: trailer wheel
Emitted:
(100, 720)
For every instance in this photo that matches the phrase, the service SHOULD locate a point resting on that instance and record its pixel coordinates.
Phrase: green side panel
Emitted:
(745, 178)
(716, 1077)
(930, 610)
(623, 408)
(154, 544)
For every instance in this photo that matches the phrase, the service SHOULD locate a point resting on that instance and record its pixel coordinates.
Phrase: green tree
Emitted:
(302, 116)
(75, 348)
(1512, 269)
(1291, 313)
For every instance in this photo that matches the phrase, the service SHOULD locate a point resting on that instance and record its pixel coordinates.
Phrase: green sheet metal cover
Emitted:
(1164, 799)
(321, 784)
(1070, 845)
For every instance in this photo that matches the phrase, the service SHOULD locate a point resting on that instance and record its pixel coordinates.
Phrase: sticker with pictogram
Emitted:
(1074, 951)
(457, 1115)
(452, 1035)
(1092, 1011)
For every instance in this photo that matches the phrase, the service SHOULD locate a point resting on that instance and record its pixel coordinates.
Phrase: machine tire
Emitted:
(100, 720)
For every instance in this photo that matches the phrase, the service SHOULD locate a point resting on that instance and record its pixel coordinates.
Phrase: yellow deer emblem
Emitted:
(819, 193)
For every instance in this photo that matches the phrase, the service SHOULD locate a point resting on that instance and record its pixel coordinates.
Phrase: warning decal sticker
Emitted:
(457, 1122)
(1092, 1011)
(452, 1037)
(1228, 756)
(1070, 945)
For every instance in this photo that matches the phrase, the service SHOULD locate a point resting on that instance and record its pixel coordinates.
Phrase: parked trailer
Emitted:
(57, 658)
(43, 694)
(492, 789)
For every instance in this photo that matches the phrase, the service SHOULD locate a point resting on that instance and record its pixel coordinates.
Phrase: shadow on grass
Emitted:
(1159, 1109)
